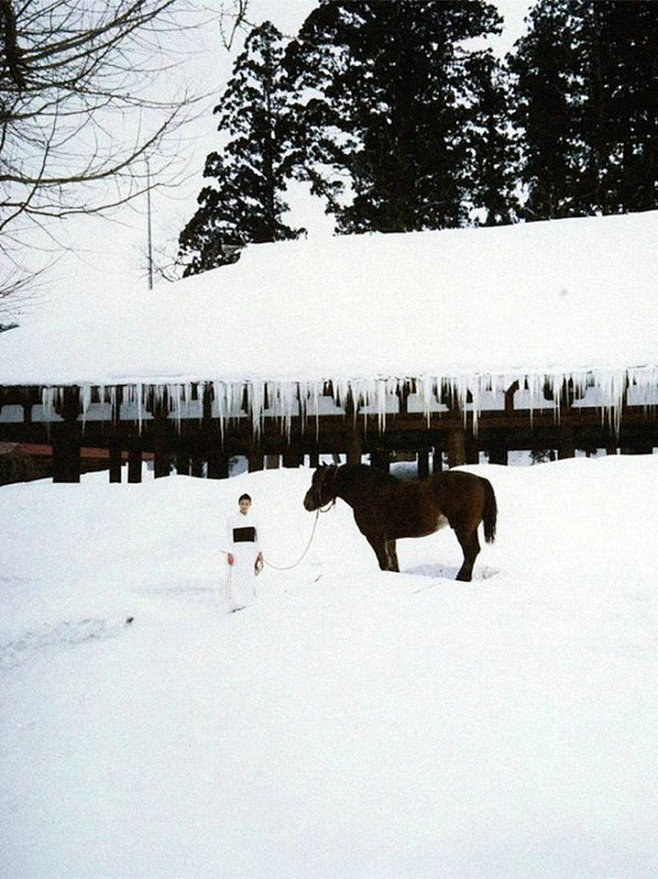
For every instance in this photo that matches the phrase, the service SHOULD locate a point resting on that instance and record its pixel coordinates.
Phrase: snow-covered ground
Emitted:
(363, 724)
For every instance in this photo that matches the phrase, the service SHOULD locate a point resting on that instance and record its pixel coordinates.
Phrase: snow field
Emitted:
(366, 724)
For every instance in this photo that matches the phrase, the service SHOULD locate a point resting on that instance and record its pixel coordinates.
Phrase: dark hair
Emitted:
(244, 497)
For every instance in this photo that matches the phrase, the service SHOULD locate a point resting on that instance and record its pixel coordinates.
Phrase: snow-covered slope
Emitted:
(364, 725)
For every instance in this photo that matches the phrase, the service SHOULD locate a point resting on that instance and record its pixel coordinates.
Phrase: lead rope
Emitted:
(308, 545)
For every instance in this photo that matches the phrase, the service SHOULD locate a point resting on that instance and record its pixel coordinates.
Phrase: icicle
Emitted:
(613, 385)
(235, 393)
(535, 385)
(256, 403)
(310, 392)
(85, 400)
(139, 395)
(288, 404)
(643, 387)
(381, 394)
(201, 396)
(49, 398)
(377, 396)
(475, 387)
(302, 399)
(426, 389)
(218, 406)
(341, 392)
(171, 394)
(113, 403)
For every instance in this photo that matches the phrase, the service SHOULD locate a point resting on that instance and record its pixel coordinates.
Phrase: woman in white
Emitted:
(245, 556)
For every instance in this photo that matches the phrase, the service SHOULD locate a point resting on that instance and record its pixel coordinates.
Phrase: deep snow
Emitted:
(361, 725)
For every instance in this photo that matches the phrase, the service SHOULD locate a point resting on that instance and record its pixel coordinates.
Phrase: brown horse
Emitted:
(385, 508)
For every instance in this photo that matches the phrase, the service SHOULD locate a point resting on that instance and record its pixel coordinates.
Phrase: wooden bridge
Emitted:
(189, 434)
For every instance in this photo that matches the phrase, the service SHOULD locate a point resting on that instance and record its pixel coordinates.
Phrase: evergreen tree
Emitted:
(625, 40)
(586, 107)
(244, 203)
(548, 97)
(493, 157)
(389, 109)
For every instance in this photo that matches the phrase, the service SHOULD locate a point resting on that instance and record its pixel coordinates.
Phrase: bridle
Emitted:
(325, 506)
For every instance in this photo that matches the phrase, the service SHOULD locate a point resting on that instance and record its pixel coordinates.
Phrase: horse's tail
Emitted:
(490, 512)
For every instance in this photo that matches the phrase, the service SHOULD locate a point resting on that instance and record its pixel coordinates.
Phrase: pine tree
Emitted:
(586, 107)
(548, 95)
(389, 110)
(493, 157)
(245, 204)
(627, 37)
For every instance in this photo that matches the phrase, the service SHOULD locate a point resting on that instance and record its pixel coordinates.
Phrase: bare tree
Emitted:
(85, 100)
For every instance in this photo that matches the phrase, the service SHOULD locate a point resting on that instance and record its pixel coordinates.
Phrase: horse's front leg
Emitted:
(379, 546)
(392, 554)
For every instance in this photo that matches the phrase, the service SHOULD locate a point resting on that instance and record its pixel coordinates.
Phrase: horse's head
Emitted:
(322, 489)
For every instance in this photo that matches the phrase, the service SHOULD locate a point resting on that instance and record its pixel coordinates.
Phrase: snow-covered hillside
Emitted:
(358, 725)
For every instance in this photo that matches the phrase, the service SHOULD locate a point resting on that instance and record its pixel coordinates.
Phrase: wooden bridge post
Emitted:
(354, 449)
(437, 459)
(216, 456)
(566, 443)
(218, 463)
(497, 451)
(135, 460)
(66, 453)
(380, 459)
(423, 463)
(457, 447)
(472, 448)
(161, 457)
(293, 457)
(115, 459)
(67, 439)
(182, 464)
(256, 458)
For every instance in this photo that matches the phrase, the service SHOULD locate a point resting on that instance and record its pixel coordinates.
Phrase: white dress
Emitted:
(243, 536)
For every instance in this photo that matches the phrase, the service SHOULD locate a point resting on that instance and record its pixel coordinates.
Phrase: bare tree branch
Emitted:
(85, 99)
(236, 14)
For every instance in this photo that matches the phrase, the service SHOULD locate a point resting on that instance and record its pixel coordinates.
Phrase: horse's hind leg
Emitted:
(470, 545)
